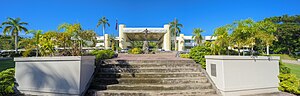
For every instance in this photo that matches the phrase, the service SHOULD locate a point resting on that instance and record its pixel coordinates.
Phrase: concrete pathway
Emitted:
(291, 61)
(158, 56)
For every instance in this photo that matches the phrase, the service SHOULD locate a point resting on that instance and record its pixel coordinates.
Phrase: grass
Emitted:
(5, 64)
(284, 56)
(295, 69)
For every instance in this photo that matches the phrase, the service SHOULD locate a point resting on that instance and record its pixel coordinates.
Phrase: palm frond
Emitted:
(23, 23)
(23, 28)
(7, 29)
(179, 25)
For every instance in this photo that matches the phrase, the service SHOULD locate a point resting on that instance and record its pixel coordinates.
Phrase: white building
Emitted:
(159, 34)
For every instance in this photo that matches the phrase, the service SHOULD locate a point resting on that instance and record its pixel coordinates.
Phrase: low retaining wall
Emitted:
(243, 75)
(66, 75)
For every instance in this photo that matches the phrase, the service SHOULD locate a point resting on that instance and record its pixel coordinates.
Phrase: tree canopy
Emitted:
(287, 34)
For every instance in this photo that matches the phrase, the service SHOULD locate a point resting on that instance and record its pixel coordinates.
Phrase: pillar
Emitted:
(122, 37)
(167, 38)
(181, 42)
(106, 41)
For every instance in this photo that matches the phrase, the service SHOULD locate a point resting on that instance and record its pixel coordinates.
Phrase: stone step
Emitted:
(203, 92)
(150, 75)
(150, 69)
(150, 80)
(148, 61)
(153, 87)
(156, 65)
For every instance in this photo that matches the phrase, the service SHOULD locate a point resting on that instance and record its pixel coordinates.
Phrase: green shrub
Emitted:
(289, 83)
(283, 69)
(184, 55)
(7, 81)
(135, 51)
(103, 54)
(197, 53)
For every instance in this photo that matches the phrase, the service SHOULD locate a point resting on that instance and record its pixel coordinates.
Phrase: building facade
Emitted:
(161, 35)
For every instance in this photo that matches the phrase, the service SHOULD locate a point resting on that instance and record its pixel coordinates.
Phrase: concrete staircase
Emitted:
(150, 78)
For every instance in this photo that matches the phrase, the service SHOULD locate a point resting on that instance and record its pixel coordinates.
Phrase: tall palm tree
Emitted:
(103, 21)
(175, 30)
(14, 26)
(197, 35)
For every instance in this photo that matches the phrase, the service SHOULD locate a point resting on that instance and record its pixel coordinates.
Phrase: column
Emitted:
(122, 37)
(181, 42)
(106, 41)
(167, 38)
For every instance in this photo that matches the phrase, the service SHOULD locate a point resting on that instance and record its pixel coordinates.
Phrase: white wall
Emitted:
(242, 75)
(54, 75)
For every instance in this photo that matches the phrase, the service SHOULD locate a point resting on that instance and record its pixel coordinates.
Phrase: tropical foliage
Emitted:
(71, 38)
(14, 26)
(112, 42)
(244, 33)
(103, 54)
(223, 39)
(288, 82)
(175, 31)
(104, 22)
(7, 82)
(184, 55)
(288, 34)
(197, 53)
(6, 43)
(197, 35)
(135, 51)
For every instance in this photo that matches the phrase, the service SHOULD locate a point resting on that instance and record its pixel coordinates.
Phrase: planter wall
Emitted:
(65, 75)
(243, 75)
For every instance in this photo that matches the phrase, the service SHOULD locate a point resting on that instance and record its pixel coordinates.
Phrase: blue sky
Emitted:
(206, 14)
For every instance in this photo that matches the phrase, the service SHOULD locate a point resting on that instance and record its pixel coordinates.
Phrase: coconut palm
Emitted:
(175, 30)
(103, 21)
(14, 26)
(197, 35)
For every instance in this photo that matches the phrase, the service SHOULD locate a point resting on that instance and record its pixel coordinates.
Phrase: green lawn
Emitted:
(295, 69)
(5, 64)
(284, 56)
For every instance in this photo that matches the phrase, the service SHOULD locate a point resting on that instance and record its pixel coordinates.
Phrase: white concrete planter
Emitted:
(65, 75)
(243, 75)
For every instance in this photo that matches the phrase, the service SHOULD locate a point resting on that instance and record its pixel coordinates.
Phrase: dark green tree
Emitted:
(287, 34)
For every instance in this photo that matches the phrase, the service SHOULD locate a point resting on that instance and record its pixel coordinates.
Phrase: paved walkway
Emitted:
(157, 56)
(291, 61)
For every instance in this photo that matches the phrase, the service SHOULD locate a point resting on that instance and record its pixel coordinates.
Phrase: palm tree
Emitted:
(175, 29)
(14, 26)
(197, 35)
(103, 21)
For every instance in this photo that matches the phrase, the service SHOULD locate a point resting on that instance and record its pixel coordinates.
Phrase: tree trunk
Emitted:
(37, 51)
(16, 42)
(175, 41)
(268, 49)
(239, 51)
(227, 51)
(103, 30)
(252, 50)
